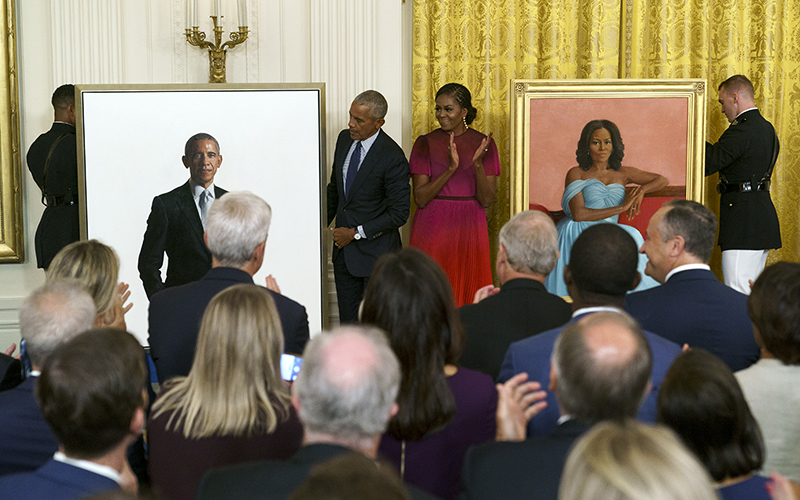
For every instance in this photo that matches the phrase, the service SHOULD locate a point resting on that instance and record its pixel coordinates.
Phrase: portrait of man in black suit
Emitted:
(177, 221)
(370, 197)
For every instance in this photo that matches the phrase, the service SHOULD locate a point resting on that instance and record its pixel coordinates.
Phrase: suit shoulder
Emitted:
(174, 193)
(284, 301)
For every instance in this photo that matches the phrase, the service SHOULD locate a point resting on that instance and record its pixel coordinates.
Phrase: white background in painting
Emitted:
(270, 144)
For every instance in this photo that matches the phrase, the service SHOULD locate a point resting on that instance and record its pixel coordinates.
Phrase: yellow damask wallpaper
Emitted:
(485, 43)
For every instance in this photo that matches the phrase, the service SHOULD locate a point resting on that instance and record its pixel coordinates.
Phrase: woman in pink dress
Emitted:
(453, 171)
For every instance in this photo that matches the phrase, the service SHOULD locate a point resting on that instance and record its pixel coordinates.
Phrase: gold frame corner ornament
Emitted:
(693, 90)
(11, 225)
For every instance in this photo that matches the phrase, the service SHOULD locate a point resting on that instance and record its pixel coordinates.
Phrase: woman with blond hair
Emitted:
(96, 266)
(633, 461)
(233, 406)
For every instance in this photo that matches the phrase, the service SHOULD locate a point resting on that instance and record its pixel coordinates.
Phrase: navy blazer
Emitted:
(26, 440)
(55, 481)
(175, 314)
(272, 479)
(174, 227)
(520, 470)
(532, 356)
(379, 200)
(522, 308)
(694, 308)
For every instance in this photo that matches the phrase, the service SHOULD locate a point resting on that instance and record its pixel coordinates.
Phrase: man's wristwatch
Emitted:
(357, 235)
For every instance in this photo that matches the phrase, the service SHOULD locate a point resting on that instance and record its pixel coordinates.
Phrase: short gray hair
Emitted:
(237, 223)
(592, 390)
(53, 314)
(354, 405)
(531, 242)
(375, 101)
(692, 221)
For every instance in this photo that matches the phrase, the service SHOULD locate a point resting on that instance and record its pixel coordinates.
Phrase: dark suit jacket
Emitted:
(532, 356)
(527, 470)
(55, 481)
(26, 441)
(59, 225)
(694, 308)
(175, 314)
(522, 308)
(272, 480)
(379, 200)
(174, 227)
(747, 221)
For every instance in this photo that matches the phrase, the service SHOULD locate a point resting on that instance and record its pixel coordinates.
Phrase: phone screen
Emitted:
(290, 366)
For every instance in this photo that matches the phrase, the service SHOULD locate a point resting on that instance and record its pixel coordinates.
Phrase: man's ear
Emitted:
(186, 162)
(636, 281)
(567, 276)
(137, 421)
(381, 121)
(676, 245)
(205, 238)
(394, 410)
(553, 379)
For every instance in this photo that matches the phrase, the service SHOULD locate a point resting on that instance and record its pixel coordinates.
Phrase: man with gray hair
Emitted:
(691, 306)
(370, 197)
(236, 234)
(344, 396)
(522, 307)
(51, 315)
(600, 371)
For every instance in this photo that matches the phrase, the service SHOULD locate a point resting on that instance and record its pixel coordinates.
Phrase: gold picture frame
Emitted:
(662, 123)
(11, 229)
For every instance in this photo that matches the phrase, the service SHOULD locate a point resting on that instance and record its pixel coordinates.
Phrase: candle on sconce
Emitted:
(188, 14)
(218, 11)
(242, 12)
(195, 14)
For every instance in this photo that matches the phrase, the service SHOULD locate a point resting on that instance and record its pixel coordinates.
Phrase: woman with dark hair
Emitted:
(701, 401)
(453, 171)
(443, 409)
(595, 193)
(771, 385)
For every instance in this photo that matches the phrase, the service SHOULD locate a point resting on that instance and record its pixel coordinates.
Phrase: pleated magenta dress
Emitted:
(452, 227)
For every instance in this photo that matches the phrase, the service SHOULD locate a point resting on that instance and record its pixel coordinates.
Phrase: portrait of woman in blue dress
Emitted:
(595, 193)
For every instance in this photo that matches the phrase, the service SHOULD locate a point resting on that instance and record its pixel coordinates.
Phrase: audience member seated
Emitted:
(233, 406)
(772, 385)
(633, 461)
(601, 270)
(443, 409)
(522, 307)
(92, 393)
(344, 395)
(692, 306)
(236, 233)
(701, 401)
(50, 316)
(351, 476)
(601, 371)
(96, 266)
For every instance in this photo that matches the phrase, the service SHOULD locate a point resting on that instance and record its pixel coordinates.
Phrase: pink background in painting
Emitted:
(654, 132)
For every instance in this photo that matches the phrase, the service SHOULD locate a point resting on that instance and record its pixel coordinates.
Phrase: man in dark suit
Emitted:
(691, 306)
(178, 219)
(601, 270)
(237, 230)
(50, 316)
(344, 396)
(601, 369)
(370, 197)
(96, 410)
(744, 156)
(53, 162)
(522, 307)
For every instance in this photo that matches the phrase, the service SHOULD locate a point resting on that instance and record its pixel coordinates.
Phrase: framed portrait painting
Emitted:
(271, 139)
(661, 122)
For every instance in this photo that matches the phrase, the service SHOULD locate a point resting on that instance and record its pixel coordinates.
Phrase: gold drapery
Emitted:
(485, 43)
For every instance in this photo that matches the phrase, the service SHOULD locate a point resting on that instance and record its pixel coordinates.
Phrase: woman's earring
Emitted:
(464, 119)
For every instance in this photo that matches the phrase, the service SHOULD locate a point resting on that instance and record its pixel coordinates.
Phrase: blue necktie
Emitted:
(352, 169)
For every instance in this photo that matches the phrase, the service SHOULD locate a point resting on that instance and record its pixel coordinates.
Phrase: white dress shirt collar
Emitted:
(102, 470)
(587, 310)
(686, 267)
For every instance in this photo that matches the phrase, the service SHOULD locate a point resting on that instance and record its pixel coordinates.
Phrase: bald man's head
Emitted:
(348, 383)
(601, 368)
